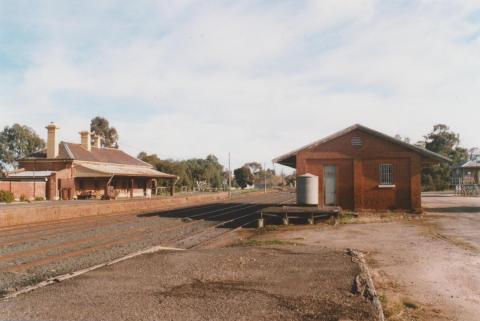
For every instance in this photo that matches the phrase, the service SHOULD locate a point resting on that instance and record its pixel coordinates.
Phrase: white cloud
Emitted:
(254, 79)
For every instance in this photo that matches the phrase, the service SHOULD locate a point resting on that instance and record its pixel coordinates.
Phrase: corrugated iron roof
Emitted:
(474, 163)
(88, 169)
(30, 174)
(103, 155)
(289, 159)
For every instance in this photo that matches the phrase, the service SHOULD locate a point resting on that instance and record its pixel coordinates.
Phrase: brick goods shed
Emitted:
(85, 170)
(362, 169)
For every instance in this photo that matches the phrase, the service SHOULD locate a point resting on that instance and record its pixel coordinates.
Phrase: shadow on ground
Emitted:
(218, 212)
(456, 209)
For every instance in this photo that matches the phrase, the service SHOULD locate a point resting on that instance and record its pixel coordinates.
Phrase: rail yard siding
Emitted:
(18, 215)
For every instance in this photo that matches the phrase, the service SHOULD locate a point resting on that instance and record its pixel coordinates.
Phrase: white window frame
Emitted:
(385, 176)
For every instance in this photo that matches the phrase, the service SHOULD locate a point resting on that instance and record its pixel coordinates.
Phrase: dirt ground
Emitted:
(248, 282)
(425, 268)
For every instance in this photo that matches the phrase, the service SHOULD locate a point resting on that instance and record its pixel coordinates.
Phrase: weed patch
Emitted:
(6, 197)
(253, 242)
(409, 304)
(267, 228)
(400, 309)
(347, 218)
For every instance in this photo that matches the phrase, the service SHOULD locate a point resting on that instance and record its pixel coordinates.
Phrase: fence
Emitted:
(467, 190)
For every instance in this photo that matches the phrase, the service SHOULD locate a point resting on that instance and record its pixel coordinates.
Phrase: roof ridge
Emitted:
(67, 149)
(365, 129)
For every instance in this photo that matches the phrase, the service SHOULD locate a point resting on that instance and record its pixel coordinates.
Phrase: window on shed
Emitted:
(386, 174)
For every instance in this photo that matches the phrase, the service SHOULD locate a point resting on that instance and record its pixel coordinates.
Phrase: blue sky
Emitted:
(256, 78)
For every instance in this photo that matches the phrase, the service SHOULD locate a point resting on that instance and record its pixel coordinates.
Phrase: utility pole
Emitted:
(265, 178)
(229, 177)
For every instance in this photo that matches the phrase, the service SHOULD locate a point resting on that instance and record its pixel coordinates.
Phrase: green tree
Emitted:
(152, 159)
(254, 166)
(191, 171)
(243, 176)
(290, 179)
(207, 170)
(101, 127)
(17, 141)
(445, 142)
(403, 139)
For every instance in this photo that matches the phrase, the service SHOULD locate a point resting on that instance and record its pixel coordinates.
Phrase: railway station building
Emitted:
(361, 169)
(82, 170)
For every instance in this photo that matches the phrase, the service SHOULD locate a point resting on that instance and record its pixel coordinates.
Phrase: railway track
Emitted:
(107, 218)
(43, 251)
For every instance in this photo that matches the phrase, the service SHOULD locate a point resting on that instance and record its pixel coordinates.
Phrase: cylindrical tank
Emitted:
(307, 189)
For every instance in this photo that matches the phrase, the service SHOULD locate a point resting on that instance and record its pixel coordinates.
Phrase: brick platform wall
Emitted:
(54, 211)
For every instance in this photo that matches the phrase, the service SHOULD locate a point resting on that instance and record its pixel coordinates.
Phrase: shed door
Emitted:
(330, 184)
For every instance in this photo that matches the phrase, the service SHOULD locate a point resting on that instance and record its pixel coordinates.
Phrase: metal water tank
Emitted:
(307, 189)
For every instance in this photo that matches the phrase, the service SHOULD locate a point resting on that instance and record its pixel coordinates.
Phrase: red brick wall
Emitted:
(358, 172)
(375, 197)
(26, 188)
(122, 185)
(51, 187)
(62, 184)
(344, 179)
(96, 184)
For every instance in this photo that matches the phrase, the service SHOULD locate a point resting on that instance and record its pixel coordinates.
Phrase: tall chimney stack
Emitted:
(52, 144)
(86, 140)
(97, 141)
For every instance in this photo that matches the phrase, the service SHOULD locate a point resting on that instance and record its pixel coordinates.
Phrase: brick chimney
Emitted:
(52, 143)
(86, 141)
(97, 141)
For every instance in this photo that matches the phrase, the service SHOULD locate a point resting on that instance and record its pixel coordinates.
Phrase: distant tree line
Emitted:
(443, 141)
(253, 173)
(193, 173)
(18, 141)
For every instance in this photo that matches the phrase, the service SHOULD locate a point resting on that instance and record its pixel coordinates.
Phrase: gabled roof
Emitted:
(101, 162)
(473, 163)
(289, 159)
(77, 152)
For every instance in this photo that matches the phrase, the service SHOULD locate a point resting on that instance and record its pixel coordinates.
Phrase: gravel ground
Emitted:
(283, 282)
(29, 255)
(425, 268)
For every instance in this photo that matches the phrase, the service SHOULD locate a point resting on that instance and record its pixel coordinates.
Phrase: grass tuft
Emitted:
(347, 218)
(409, 304)
(253, 242)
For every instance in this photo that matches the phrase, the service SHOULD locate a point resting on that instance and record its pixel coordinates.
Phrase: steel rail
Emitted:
(231, 230)
(123, 213)
(130, 233)
(103, 222)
